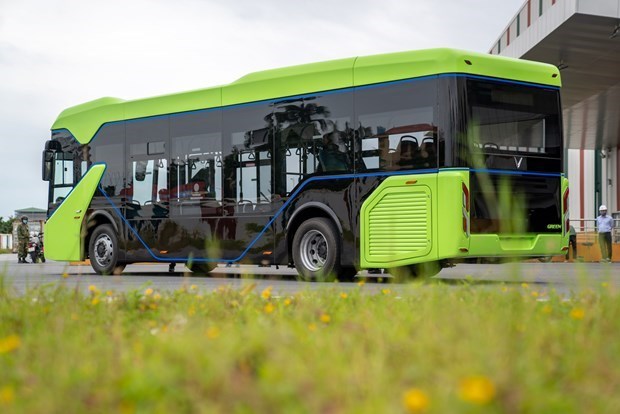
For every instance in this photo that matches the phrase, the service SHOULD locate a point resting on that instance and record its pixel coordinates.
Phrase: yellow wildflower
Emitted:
(9, 344)
(547, 309)
(212, 332)
(65, 275)
(525, 285)
(605, 284)
(156, 296)
(266, 294)
(415, 400)
(287, 301)
(7, 395)
(477, 390)
(92, 289)
(312, 327)
(325, 318)
(535, 294)
(361, 283)
(148, 292)
(109, 293)
(193, 287)
(343, 295)
(191, 311)
(269, 307)
(386, 291)
(577, 313)
(95, 301)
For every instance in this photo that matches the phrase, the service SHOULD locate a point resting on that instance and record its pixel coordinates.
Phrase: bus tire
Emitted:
(316, 250)
(103, 251)
(200, 268)
(403, 274)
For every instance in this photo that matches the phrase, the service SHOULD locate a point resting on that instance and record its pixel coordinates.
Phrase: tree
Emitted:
(6, 227)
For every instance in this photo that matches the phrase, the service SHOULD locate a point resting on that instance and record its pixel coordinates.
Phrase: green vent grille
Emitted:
(399, 225)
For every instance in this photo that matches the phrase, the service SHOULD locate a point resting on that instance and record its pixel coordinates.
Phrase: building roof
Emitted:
(84, 120)
(30, 210)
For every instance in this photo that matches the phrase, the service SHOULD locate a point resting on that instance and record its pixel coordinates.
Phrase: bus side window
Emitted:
(312, 135)
(247, 160)
(401, 118)
(196, 163)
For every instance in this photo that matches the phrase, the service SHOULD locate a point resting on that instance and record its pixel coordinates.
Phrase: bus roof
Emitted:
(84, 120)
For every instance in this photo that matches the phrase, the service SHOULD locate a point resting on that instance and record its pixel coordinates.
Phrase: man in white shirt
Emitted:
(604, 224)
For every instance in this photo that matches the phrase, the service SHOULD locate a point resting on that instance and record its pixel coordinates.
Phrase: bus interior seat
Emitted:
(406, 151)
(245, 206)
(428, 153)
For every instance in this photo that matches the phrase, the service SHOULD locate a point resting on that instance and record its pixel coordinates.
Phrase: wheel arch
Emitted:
(96, 219)
(307, 211)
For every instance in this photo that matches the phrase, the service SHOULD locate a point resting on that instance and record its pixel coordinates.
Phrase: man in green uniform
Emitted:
(23, 236)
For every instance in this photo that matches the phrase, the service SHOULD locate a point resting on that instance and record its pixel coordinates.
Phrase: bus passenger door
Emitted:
(244, 231)
(146, 192)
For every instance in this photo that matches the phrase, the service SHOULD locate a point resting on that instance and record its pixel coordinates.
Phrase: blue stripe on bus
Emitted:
(294, 195)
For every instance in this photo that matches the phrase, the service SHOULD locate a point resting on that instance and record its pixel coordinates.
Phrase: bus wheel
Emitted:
(425, 270)
(103, 251)
(316, 250)
(200, 268)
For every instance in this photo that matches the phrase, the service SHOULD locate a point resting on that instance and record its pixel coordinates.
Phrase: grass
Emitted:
(438, 349)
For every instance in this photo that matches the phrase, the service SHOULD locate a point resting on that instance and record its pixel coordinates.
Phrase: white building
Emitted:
(582, 38)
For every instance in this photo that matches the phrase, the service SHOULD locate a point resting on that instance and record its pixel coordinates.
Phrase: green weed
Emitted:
(435, 348)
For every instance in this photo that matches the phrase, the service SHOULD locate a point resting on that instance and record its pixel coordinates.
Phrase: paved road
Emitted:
(564, 277)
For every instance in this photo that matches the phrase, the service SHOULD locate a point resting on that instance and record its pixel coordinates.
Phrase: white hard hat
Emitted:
(602, 207)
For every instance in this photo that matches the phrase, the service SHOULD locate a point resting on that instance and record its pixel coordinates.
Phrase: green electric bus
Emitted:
(408, 161)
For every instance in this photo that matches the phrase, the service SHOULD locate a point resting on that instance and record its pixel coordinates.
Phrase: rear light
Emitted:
(465, 197)
(565, 211)
(466, 205)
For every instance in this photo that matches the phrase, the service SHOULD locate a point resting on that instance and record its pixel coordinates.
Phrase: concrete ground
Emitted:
(562, 277)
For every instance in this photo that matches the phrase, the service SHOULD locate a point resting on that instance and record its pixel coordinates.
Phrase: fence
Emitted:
(588, 248)
(586, 229)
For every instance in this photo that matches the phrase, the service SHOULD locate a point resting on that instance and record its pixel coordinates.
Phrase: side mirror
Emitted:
(47, 171)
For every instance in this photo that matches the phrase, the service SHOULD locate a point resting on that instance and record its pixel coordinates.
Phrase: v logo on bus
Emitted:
(518, 161)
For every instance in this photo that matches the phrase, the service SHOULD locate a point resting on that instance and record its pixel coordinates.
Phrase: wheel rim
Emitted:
(104, 250)
(313, 250)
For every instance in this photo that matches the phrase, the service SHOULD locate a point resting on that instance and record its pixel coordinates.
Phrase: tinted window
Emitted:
(247, 158)
(147, 179)
(108, 147)
(512, 126)
(395, 126)
(196, 162)
(313, 135)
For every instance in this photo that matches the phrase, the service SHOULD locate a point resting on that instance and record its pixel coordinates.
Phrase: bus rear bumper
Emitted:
(487, 245)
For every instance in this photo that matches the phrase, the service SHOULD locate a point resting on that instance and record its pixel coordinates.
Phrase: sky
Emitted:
(59, 53)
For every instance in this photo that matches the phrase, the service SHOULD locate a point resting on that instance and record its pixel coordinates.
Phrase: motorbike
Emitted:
(35, 248)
